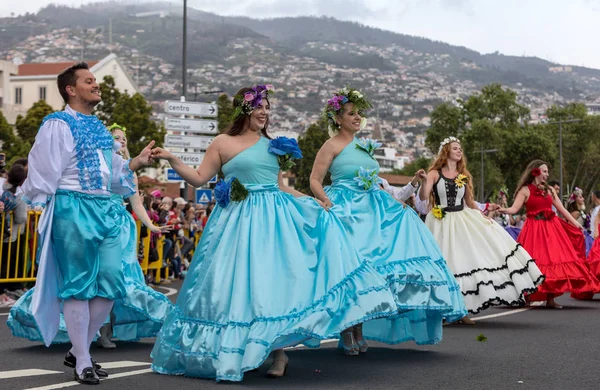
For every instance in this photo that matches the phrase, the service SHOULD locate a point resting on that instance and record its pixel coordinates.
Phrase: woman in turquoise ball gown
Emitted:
(140, 314)
(273, 268)
(386, 232)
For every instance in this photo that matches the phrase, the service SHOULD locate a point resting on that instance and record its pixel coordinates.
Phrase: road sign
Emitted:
(189, 158)
(172, 175)
(191, 108)
(192, 125)
(188, 141)
(214, 180)
(203, 196)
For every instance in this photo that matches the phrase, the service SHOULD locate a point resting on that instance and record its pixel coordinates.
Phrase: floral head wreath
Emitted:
(501, 192)
(251, 100)
(116, 126)
(576, 192)
(447, 141)
(336, 103)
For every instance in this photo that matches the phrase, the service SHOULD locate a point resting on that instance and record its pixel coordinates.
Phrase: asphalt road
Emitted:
(531, 348)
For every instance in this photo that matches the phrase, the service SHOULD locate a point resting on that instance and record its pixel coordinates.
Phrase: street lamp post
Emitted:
(184, 54)
(481, 186)
(560, 150)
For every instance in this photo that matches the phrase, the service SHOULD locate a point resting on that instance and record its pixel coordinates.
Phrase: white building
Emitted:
(593, 109)
(386, 157)
(37, 81)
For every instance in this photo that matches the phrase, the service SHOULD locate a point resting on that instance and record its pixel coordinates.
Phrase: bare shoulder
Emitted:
(334, 146)
(329, 147)
(433, 175)
(525, 191)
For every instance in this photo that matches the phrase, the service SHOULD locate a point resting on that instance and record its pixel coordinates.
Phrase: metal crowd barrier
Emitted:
(18, 257)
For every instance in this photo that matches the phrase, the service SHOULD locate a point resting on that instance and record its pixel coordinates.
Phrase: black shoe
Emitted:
(88, 377)
(71, 361)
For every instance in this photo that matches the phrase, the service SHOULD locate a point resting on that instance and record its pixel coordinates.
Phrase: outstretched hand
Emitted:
(421, 174)
(145, 159)
(161, 154)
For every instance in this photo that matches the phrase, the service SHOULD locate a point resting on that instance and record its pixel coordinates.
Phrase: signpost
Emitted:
(202, 126)
(191, 108)
(188, 141)
(191, 141)
(203, 196)
(189, 158)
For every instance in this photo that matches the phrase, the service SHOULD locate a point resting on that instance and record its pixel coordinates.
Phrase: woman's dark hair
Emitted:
(238, 125)
(572, 206)
(16, 176)
(148, 202)
(186, 208)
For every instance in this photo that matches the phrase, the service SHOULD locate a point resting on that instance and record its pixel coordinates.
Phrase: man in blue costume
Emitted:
(73, 169)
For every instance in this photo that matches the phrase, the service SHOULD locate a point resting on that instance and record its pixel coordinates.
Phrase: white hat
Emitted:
(179, 201)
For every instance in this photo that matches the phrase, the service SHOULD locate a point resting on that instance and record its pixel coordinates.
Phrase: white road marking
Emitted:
(28, 372)
(170, 291)
(3, 314)
(506, 313)
(123, 364)
(73, 383)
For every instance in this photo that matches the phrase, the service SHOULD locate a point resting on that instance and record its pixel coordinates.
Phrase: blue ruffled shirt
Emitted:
(75, 156)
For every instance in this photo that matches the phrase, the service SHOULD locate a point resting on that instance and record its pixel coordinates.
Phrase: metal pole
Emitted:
(184, 75)
(560, 157)
(560, 149)
(481, 192)
(184, 65)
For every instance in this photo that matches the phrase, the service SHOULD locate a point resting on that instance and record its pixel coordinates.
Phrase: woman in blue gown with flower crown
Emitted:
(386, 232)
(272, 269)
(141, 313)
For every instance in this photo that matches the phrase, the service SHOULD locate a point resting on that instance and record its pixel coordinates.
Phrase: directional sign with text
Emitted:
(191, 108)
(192, 125)
(172, 175)
(188, 141)
(203, 196)
(189, 158)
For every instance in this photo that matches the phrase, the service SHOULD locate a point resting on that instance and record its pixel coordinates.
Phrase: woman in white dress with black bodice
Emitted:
(490, 267)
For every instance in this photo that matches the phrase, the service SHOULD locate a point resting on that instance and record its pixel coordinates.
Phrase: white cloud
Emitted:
(558, 30)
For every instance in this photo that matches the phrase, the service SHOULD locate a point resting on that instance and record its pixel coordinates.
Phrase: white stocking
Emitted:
(77, 319)
(99, 312)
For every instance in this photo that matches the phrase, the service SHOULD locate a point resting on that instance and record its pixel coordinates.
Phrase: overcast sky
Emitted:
(563, 31)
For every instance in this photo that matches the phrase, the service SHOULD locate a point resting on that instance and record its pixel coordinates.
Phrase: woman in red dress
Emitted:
(545, 239)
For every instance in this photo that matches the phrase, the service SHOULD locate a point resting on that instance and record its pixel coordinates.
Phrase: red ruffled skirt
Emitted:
(547, 241)
(593, 264)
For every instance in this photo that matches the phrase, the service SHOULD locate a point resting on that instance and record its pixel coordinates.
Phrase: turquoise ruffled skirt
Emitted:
(270, 272)
(140, 314)
(402, 249)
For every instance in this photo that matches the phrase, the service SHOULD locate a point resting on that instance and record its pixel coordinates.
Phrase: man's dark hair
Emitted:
(68, 77)
(21, 161)
(553, 183)
(596, 193)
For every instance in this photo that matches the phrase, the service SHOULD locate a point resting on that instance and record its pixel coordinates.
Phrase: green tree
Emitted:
(135, 114)
(225, 110)
(581, 146)
(310, 143)
(491, 119)
(110, 96)
(411, 168)
(12, 145)
(28, 126)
